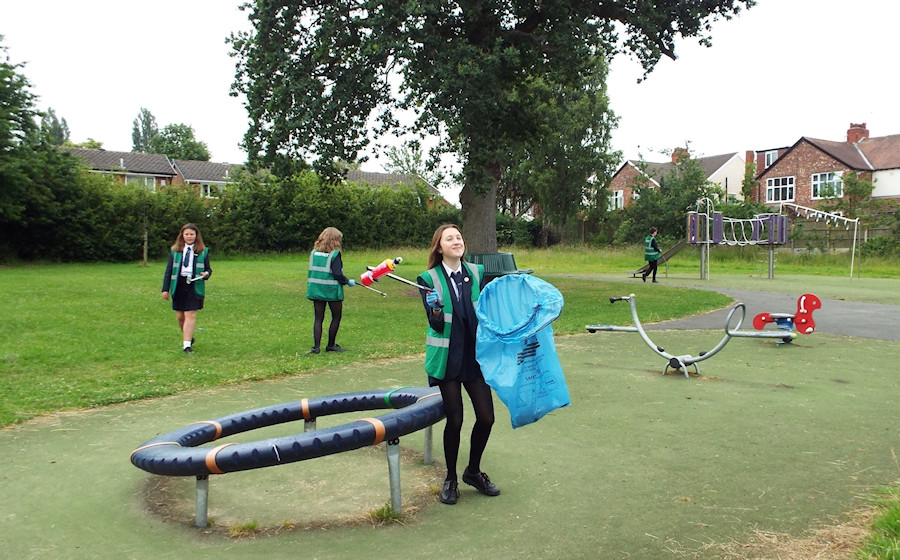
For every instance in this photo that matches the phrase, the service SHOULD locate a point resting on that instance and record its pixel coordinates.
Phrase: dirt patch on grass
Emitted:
(831, 542)
(342, 490)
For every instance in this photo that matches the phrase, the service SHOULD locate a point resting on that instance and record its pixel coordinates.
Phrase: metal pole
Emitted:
(429, 438)
(202, 514)
(393, 457)
(853, 252)
(771, 262)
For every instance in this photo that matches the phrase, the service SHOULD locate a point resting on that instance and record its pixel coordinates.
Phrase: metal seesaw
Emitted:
(683, 361)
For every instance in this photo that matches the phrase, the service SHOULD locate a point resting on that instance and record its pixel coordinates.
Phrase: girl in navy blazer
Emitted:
(453, 288)
(184, 281)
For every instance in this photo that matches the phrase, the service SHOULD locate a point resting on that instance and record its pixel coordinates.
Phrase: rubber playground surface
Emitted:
(774, 438)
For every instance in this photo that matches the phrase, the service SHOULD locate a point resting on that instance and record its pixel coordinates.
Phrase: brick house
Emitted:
(208, 177)
(156, 171)
(811, 169)
(726, 171)
(151, 170)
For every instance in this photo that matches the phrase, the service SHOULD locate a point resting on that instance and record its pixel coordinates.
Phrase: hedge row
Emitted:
(98, 219)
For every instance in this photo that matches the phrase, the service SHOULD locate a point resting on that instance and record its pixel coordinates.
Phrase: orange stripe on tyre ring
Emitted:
(304, 405)
(211, 459)
(379, 429)
(215, 425)
(141, 448)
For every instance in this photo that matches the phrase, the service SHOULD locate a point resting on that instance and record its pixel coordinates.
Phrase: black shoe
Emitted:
(481, 482)
(644, 278)
(335, 348)
(313, 350)
(655, 282)
(450, 492)
(188, 350)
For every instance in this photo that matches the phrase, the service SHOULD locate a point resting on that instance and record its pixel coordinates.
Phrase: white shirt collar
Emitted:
(450, 271)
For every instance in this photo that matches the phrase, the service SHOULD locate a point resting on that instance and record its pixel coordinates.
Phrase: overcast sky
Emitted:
(782, 70)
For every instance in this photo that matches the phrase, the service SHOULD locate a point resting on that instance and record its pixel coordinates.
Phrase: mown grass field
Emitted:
(770, 441)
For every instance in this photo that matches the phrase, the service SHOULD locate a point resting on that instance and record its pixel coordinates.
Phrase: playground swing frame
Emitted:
(708, 227)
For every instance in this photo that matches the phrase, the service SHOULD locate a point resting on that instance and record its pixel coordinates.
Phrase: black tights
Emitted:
(652, 267)
(482, 402)
(337, 309)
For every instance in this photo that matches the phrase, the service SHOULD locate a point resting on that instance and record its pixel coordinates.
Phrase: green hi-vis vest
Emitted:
(320, 283)
(199, 285)
(437, 344)
(650, 254)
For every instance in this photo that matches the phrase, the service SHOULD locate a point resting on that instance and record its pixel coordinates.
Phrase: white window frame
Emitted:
(146, 180)
(617, 200)
(770, 158)
(830, 179)
(785, 187)
(209, 190)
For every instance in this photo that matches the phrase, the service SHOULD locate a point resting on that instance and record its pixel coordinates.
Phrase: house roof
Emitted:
(387, 179)
(200, 171)
(869, 154)
(125, 162)
(882, 152)
(709, 165)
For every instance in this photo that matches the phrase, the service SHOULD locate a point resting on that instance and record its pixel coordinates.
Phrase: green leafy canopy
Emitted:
(323, 78)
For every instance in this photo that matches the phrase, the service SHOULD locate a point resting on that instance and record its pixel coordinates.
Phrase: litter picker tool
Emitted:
(374, 273)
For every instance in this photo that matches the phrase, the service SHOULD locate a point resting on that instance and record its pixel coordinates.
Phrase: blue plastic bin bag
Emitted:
(514, 346)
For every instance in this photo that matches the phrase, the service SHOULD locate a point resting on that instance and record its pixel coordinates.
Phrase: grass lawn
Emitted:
(78, 336)
(771, 440)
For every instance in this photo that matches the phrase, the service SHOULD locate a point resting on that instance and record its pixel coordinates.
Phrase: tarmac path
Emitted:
(849, 318)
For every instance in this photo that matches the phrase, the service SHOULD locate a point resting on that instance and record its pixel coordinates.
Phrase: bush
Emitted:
(87, 217)
(880, 247)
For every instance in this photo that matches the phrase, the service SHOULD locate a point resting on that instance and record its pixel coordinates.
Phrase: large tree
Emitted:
(143, 129)
(18, 135)
(562, 168)
(321, 78)
(55, 129)
(178, 142)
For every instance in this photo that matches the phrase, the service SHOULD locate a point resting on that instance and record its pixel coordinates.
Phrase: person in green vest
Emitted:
(651, 255)
(184, 281)
(325, 283)
(451, 287)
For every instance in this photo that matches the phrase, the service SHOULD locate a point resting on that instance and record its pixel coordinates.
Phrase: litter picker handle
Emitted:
(425, 289)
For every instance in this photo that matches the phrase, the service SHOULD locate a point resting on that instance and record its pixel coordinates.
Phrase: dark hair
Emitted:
(652, 230)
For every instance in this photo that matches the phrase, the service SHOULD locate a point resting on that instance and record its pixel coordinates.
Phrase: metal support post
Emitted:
(429, 439)
(201, 516)
(393, 457)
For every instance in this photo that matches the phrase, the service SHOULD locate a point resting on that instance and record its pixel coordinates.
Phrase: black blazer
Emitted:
(167, 275)
(462, 332)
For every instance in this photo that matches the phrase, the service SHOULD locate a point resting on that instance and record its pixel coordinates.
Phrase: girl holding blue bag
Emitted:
(453, 288)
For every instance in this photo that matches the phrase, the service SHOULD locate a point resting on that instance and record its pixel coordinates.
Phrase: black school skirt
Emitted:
(185, 298)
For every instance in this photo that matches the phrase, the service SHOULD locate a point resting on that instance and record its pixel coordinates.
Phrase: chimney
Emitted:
(857, 132)
(680, 154)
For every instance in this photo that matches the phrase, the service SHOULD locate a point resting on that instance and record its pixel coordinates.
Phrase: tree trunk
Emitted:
(479, 216)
